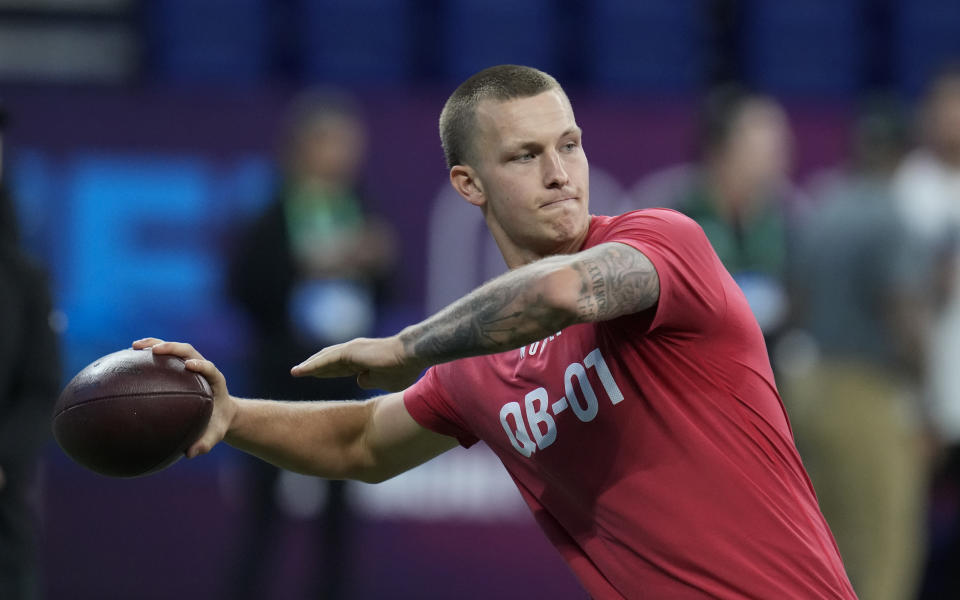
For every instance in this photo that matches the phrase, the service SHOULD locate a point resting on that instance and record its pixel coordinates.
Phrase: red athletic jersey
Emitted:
(653, 449)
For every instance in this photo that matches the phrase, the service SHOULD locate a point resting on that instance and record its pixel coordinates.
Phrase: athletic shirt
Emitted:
(653, 449)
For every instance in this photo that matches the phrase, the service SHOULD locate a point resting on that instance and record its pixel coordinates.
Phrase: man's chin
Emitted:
(570, 230)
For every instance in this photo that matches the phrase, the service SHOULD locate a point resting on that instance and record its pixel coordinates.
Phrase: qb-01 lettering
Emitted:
(540, 422)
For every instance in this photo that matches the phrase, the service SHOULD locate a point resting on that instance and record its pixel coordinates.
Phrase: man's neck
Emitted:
(516, 256)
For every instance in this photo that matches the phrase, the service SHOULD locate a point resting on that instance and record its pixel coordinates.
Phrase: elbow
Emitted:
(345, 474)
(358, 461)
(372, 477)
(347, 471)
(372, 474)
(366, 467)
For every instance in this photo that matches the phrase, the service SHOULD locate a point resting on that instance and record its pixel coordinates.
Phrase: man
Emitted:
(309, 273)
(29, 381)
(740, 193)
(615, 370)
(860, 290)
(741, 196)
(927, 190)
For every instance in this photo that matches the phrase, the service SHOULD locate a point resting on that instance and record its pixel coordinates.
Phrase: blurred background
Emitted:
(264, 177)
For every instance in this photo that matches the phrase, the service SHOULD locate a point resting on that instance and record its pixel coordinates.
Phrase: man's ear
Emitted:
(464, 179)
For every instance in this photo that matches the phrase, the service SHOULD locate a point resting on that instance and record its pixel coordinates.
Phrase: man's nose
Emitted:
(555, 175)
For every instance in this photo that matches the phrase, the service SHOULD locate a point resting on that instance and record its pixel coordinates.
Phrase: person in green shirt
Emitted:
(741, 196)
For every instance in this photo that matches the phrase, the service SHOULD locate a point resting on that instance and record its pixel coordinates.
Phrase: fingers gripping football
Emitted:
(222, 415)
(224, 407)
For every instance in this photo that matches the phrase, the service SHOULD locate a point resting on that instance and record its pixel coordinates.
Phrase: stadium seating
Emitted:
(479, 33)
(809, 48)
(357, 42)
(656, 46)
(926, 36)
(209, 41)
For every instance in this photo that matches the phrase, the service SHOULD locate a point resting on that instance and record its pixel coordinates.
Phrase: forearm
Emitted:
(514, 309)
(525, 305)
(324, 439)
(535, 301)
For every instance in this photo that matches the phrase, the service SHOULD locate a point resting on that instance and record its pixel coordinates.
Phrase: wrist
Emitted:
(231, 420)
(406, 349)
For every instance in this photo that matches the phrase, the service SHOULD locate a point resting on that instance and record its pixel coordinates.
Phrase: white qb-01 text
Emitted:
(535, 414)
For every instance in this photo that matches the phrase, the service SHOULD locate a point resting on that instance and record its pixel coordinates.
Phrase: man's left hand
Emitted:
(380, 363)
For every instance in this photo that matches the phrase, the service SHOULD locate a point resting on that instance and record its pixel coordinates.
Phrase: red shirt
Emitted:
(653, 449)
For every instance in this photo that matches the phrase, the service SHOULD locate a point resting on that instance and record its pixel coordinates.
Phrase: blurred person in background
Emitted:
(859, 288)
(29, 383)
(928, 194)
(741, 195)
(310, 272)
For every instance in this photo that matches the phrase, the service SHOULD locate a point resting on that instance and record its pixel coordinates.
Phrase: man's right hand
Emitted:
(224, 405)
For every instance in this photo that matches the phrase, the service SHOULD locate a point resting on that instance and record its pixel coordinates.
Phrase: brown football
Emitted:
(132, 413)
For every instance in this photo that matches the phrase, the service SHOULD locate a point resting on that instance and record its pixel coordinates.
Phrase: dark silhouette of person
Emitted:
(309, 273)
(29, 382)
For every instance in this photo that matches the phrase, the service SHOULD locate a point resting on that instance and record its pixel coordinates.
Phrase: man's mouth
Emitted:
(557, 201)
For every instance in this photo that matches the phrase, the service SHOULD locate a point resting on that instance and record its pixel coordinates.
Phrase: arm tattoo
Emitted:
(616, 280)
(515, 308)
(505, 313)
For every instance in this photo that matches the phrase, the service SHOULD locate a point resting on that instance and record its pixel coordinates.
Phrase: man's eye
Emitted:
(569, 146)
(523, 157)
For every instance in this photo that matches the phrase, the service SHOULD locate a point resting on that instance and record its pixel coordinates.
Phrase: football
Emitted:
(131, 413)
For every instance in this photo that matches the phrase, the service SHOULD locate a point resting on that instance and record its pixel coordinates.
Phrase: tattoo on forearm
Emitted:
(512, 310)
(615, 280)
(597, 285)
(503, 314)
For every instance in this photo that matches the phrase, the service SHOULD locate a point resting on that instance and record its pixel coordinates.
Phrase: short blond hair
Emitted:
(501, 83)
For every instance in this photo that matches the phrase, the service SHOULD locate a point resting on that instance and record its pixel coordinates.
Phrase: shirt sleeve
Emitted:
(429, 404)
(692, 291)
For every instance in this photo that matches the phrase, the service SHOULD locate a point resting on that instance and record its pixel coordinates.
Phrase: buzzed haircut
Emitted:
(500, 83)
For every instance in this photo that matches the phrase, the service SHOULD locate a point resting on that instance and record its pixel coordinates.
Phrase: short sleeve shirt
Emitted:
(652, 449)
